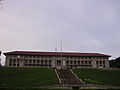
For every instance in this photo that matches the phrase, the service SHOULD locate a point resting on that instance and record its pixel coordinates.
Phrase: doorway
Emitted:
(58, 62)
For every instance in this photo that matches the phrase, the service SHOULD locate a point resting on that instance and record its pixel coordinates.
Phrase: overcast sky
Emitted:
(83, 26)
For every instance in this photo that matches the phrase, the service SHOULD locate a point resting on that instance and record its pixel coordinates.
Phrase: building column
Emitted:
(12, 62)
(53, 63)
(7, 62)
(16, 62)
(93, 64)
(64, 63)
(107, 63)
(102, 65)
(21, 63)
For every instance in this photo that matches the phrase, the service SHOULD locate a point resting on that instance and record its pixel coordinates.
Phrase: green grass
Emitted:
(27, 77)
(101, 77)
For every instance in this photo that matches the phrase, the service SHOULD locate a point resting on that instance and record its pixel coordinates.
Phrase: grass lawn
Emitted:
(27, 77)
(102, 77)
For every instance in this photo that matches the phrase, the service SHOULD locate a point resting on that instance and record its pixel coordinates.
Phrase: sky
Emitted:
(87, 26)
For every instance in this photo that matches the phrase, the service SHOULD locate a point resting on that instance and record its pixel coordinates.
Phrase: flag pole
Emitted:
(61, 53)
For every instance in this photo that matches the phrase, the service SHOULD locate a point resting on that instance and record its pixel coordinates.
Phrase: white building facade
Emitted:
(56, 59)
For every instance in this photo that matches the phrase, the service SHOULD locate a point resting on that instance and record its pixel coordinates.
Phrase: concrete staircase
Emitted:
(66, 77)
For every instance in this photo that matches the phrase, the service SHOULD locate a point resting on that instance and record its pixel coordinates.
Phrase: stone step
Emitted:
(67, 77)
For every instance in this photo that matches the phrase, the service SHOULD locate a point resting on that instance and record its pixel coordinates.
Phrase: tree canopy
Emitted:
(115, 63)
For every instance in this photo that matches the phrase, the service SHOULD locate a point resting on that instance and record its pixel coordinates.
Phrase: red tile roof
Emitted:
(54, 53)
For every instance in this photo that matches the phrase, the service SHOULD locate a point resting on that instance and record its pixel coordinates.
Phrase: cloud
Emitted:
(84, 26)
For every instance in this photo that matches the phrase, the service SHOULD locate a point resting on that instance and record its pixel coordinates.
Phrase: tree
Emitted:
(0, 59)
(115, 63)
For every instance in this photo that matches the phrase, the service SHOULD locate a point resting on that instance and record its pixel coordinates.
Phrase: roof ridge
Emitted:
(56, 53)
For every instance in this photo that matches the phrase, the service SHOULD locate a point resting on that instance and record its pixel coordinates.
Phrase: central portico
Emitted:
(59, 64)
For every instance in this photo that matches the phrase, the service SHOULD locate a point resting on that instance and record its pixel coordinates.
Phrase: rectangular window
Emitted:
(41, 61)
(37, 56)
(82, 57)
(45, 61)
(26, 61)
(10, 64)
(70, 62)
(78, 62)
(33, 61)
(18, 60)
(85, 62)
(74, 62)
(89, 62)
(49, 61)
(38, 61)
(67, 62)
(14, 61)
(30, 61)
(82, 62)
(97, 62)
(14, 64)
(100, 62)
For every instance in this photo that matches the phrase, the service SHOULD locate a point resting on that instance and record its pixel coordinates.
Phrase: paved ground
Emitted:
(86, 86)
(94, 86)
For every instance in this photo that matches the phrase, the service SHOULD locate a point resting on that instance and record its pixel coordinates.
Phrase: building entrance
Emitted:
(58, 62)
